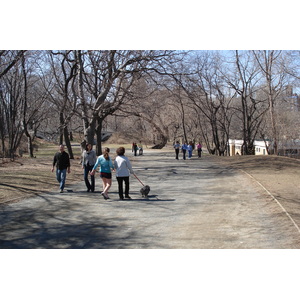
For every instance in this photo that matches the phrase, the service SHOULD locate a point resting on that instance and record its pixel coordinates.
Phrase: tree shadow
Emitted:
(23, 229)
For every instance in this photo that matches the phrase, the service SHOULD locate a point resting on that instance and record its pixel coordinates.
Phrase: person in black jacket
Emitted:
(62, 161)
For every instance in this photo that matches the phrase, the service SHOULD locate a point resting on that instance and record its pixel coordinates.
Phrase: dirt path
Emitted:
(198, 203)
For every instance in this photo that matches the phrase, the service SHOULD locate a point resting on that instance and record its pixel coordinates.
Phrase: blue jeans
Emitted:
(61, 177)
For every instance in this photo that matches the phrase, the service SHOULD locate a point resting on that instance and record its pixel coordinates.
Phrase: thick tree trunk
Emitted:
(89, 133)
(161, 144)
(29, 144)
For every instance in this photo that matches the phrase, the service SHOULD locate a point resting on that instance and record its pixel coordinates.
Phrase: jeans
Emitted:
(177, 153)
(183, 153)
(61, 177)
(120, 185)
(90, 186)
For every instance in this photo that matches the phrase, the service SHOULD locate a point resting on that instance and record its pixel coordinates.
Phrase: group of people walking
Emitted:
(186, 149)
(90, 163)
(121, 166)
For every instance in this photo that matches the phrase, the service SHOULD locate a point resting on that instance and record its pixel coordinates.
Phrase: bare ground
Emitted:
(233, 221)
(26, 177)
(279, 175)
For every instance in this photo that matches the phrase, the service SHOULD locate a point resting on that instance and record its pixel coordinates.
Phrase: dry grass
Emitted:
(26, 176)
(279, 175)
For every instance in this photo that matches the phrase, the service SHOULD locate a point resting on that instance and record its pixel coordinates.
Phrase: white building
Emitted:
(235, 147)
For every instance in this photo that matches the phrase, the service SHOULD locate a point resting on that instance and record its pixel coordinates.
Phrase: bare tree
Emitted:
(8, 58)
(270, 64)
(64, 69)
(246, 82)
(35, 105)
(11, 103)
(206, 92)
(105, 79)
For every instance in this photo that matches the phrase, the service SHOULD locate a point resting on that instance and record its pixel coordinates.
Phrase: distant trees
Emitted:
(22, 103)
(208, 96)
(159, 96)
(272, 68)
(246, 81)
(106, 80)
(12, 107)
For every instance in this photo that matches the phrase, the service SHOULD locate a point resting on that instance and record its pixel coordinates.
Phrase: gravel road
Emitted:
(193, 204)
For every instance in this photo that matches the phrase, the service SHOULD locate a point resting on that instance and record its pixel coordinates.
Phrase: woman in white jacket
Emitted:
(123, 170)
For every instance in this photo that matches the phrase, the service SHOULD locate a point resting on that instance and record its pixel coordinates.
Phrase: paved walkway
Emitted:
(192, 204)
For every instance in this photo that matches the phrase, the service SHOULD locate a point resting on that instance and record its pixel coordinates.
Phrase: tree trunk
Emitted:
(273, 123)
(90, 131)
(29, 144)
(162, 143)
(61, 128)
(68, 143)
(99, 137)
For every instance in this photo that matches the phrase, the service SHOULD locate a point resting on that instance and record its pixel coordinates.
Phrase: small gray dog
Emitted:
(145, 190)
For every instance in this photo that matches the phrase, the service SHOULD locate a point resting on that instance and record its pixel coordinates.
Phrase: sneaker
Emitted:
(104, 196)
(61, 191)
(127, 197)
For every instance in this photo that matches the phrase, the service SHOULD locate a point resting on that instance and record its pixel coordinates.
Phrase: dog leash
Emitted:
(138, 179)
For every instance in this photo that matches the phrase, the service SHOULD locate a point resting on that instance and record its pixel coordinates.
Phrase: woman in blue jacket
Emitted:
(106, 166)
(190, 150)
(184, 147)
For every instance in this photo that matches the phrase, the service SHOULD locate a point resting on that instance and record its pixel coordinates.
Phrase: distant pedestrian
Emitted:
(62, 162)
(199, 149)
(134, 148)
(88, 161)
(190, 150)
(183, 149)
(106, 166)
(123, 170)
(140, 148)
(177, 148)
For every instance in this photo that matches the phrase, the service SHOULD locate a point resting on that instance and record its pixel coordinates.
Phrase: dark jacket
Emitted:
(61, 160)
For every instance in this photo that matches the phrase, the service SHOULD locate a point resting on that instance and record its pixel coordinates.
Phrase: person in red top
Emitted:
(199, 149)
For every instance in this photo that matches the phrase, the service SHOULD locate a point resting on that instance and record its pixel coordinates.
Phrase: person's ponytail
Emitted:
(106, 153)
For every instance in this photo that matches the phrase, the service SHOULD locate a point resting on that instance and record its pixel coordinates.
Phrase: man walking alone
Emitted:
(62, 161)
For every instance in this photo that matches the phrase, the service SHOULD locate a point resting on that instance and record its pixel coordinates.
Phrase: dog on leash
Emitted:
(145, 190)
